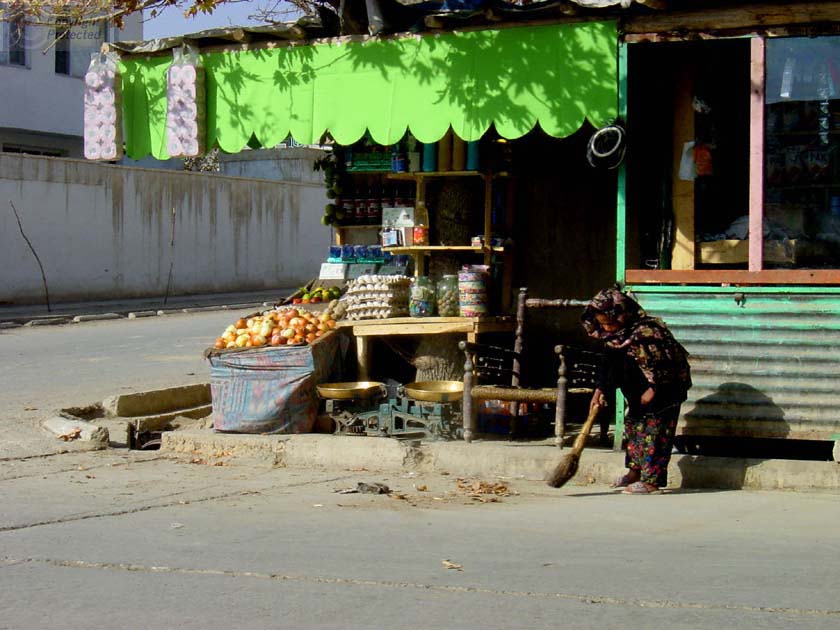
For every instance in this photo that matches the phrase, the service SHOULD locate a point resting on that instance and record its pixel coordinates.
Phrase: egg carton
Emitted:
(376, 304)
(371, 293)
(389, 281)
(375, 312)
(368, 298)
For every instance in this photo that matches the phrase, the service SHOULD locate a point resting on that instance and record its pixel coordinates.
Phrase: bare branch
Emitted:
(34, 253)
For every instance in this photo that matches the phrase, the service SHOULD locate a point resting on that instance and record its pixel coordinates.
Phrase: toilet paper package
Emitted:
(103, 108)
(185, 104)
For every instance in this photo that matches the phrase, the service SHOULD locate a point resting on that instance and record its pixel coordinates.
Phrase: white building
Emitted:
(41, 100)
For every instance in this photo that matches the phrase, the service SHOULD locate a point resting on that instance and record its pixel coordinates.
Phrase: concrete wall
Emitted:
(290, 164)
(104, 231)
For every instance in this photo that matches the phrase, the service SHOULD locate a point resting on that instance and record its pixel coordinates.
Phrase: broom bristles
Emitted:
(564, 471)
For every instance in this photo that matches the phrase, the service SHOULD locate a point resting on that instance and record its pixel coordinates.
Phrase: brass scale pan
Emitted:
(428, 391)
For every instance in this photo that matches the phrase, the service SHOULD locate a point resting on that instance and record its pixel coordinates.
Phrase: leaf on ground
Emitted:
(73, 434)
(477, 488)
(421, 488)
(452, 565)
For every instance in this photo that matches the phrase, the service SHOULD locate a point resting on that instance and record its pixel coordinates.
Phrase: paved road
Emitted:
(131, 540)
(47, 367)
(128, 539)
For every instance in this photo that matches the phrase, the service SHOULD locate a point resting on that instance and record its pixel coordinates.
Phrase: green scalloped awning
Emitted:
(554, 76)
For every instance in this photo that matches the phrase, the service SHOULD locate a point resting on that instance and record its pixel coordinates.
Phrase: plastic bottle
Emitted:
(472, 163)
(430, 153)
(373, 214)
(421, 223)
(348, 208)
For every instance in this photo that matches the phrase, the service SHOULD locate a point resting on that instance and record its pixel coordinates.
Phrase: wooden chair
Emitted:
(489, 369)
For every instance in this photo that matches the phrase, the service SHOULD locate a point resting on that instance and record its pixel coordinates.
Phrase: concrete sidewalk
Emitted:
(489, 459)
(12, 314)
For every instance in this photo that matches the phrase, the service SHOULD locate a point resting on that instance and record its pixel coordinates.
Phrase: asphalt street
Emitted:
(137, 540)
(44, 368)
(100, 540)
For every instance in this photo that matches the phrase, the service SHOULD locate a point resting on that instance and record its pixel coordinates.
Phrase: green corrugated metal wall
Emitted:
(764, 366)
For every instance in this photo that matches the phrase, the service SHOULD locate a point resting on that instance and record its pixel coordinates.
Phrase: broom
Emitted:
(568, 466)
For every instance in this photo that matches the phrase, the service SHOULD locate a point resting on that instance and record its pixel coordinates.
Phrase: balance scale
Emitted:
(428, 410)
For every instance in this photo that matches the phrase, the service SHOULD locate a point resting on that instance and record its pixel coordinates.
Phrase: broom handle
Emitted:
(584, 432)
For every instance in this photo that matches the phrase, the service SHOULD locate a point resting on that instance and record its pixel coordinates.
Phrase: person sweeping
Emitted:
(651, 369)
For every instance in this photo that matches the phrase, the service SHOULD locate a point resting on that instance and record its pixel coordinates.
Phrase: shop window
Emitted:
(688, 161)
(802, 152)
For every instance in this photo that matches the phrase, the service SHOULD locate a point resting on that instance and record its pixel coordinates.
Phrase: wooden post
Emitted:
(757, 69)
(518, 343)
(363, 357)
(508, 258)
(560, 409)
(468, 407)
(488, 213)
(683, 190)
(419, 257)
(519, 334)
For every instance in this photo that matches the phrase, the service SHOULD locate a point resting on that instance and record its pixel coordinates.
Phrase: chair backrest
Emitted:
(523, 305)
(581, 369)
(503, 366)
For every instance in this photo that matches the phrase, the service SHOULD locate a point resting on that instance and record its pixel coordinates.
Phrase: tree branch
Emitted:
(34, 253)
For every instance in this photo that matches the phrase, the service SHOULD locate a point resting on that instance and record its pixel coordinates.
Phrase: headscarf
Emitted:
(645, 339)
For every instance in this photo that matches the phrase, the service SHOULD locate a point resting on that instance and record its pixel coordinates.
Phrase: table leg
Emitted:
(363, 358)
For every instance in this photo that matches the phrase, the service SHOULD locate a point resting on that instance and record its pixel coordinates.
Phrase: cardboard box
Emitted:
(398, 217)
(731, 252)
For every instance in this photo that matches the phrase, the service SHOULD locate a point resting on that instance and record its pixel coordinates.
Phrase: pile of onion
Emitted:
(287, 326)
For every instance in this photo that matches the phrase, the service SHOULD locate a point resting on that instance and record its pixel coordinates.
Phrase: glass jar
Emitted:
(447, 296)
(422, 298)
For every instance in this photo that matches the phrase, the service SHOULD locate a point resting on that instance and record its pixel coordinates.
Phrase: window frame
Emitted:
(755, 274)
(7, 51)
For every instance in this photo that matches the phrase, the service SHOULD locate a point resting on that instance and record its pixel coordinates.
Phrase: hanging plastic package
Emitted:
(687, 170)
(185, 104)
(103, 108)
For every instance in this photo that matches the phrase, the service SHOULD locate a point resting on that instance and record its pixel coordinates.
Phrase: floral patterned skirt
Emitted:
(650, 440)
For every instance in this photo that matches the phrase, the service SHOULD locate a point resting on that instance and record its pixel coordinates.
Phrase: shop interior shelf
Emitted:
(439, 248)
(427, 174)
(416, 174)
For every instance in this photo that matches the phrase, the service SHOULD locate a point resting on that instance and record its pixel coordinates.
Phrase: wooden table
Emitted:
(364, 329)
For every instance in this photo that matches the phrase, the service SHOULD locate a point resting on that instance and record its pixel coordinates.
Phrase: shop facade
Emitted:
(722, 215)
(728, 216)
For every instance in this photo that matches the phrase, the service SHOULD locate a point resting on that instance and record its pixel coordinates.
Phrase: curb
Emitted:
(171, 402)
(95, 318)
(493, 459)
(50, 321)
(79, 319)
